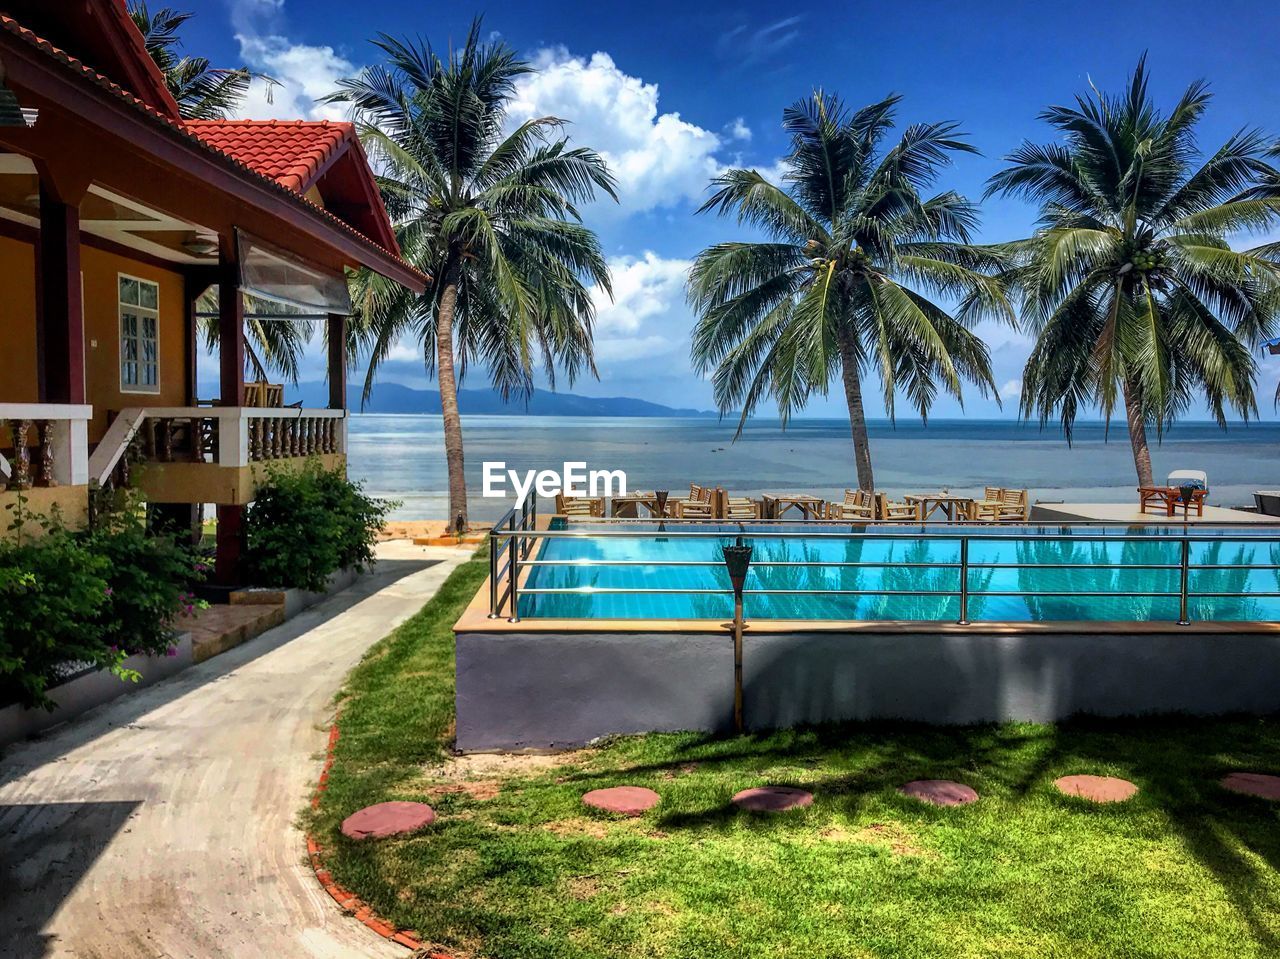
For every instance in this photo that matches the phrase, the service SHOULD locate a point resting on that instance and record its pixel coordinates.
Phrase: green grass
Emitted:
(1184, 869)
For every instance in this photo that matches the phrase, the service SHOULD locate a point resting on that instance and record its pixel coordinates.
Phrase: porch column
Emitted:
(230, 328)
(59, 307)
(230, 541)
(337, 361)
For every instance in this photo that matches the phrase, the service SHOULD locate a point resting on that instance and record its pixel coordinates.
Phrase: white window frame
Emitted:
(141, 312)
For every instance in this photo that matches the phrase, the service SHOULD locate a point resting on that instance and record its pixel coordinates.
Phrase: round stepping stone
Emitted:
(1096, 788)
(1253, 784)
(939, 792)
(624, 800)
(772, 799)
(387, 819)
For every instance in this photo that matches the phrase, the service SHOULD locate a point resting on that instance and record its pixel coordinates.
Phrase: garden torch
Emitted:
(1188, 492)
(737, 559)
(661, 497)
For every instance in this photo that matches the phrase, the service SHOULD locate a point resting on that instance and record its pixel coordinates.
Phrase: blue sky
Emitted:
(673, 92)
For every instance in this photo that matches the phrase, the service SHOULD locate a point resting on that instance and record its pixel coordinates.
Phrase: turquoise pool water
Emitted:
(1077, 573)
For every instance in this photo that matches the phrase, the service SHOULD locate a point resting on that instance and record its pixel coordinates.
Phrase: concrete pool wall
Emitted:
(549, 686)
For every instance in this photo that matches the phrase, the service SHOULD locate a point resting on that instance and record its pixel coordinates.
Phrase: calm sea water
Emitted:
(403, 457)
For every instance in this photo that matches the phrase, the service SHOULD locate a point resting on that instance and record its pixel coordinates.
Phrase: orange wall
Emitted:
(102, 336)
(101, 272)
(17, 322)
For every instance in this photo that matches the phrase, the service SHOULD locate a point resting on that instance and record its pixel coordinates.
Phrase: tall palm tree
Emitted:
(1130, 283)
(203, 92)
(855, 250)
(489, 214)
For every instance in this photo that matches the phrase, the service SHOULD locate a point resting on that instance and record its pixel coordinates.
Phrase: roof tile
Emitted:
(13, 27)
(291, 152)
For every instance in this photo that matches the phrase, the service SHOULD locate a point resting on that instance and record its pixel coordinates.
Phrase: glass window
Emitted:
(139, 336)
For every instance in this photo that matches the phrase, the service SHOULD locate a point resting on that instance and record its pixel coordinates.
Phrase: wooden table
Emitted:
(627, 506)
(950, 505)
(775, 505)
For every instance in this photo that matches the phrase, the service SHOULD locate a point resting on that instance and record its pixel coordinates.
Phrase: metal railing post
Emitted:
(493, 574)
(964, 582)
(1185, 576)
(513, 571)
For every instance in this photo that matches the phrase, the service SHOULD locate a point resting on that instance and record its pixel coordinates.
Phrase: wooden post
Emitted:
(337, 361)
(227, 556)
(59, 307)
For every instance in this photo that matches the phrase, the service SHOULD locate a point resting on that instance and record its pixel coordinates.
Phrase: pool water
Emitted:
(1129, 574)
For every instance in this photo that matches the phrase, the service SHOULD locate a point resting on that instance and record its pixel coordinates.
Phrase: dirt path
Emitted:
(162, 825)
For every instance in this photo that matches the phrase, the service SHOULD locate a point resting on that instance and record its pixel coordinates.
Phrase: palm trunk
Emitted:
(448, 384)
(857, 415)
(1137, 431)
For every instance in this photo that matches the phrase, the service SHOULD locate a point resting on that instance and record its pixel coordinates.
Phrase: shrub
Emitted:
(149, 581)
(79, 600)
(304, 525)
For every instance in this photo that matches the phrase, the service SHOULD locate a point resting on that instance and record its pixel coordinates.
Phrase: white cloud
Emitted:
(647, 317)
(739, 130)
(303, 75)
(1011, 390)
(659, 159)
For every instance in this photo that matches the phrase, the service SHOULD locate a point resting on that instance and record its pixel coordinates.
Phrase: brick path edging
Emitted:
(349, 902)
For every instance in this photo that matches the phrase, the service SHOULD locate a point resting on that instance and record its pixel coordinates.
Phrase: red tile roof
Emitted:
(291, 152)
(9, 25)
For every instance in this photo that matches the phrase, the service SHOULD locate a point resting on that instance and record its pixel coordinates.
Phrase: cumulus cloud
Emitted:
(1011, 390)
(659, 159)
(302, 74)
(739, 130)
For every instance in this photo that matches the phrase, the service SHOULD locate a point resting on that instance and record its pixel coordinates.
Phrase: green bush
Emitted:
(73, 600)
(149, 581)
(304, 525)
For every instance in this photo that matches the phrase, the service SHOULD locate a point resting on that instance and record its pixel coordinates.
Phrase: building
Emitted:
(116, 218)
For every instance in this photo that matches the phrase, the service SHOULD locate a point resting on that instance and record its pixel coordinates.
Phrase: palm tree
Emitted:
(854, 252)
(489, 214)
(1130, 283)
(203, 92)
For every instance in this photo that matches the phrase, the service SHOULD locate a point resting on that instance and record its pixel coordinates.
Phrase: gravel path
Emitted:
(163, 824)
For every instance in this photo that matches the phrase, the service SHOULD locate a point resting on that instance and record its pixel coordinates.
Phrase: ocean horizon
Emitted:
(401, 456)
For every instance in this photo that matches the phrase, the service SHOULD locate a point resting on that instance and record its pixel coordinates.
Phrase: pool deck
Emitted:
(1129, 513)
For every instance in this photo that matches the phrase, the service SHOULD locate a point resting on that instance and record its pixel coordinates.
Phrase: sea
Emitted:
(401, 457)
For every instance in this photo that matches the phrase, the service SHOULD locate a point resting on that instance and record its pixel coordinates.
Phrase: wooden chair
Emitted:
(741, 507)
(255, 395)
(989, 504)
(579, 505)
(858, 504)
(889, 509)
(697, 504)
(273, 395)
(1013, 505)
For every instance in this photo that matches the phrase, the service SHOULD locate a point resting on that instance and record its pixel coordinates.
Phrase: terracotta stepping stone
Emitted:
(1253, 784)
(387, 819)
(939, 792)
(772, 799)
(1096, 788)
(624, 800)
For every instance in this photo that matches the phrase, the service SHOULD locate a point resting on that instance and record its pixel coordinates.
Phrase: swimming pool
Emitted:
(1024, 573)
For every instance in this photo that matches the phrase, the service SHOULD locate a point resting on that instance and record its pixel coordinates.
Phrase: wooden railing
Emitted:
(226, 436)
(47, 444)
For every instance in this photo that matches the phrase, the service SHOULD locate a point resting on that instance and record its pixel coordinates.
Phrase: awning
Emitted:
(269, 273)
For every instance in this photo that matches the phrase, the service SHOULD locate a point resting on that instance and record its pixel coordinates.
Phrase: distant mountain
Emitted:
(394, 398)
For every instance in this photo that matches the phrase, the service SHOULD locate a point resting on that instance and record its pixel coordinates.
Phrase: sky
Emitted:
(674, 92)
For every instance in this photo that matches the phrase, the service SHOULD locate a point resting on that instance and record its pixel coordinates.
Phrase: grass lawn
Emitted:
(515, 866)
